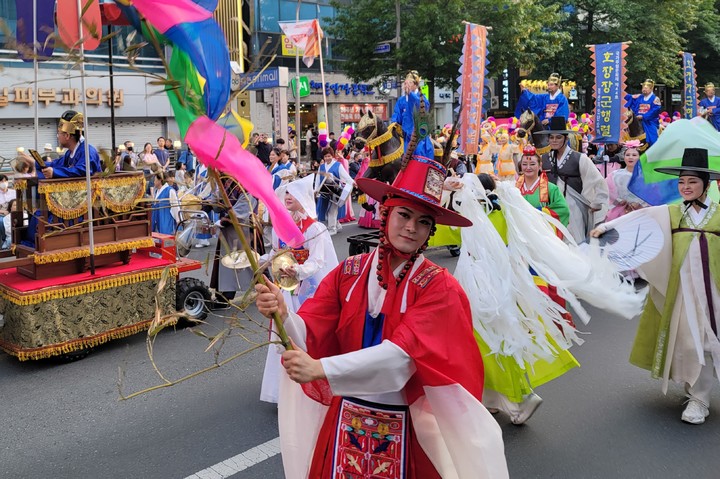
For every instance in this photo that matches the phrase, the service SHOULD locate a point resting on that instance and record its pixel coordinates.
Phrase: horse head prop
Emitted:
(634, 130)
(530, 127)
(385, 145)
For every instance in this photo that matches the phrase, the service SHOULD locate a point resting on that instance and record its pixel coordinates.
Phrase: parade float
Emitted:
(53, 304)
(86, 267)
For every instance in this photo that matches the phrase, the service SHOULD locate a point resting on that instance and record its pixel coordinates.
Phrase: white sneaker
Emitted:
(695, 412)
(526, 409)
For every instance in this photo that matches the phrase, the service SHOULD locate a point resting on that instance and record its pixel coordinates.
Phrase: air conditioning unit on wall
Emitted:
(494, 102)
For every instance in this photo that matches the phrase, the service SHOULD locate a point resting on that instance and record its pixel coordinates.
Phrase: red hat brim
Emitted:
(379, 190)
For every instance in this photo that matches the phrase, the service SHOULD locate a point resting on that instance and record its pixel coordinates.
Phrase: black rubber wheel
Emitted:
(193, 298)
(74, 356)
(355, 248)
(454, 251)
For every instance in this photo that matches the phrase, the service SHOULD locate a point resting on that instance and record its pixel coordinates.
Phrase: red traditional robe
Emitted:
(430, 321)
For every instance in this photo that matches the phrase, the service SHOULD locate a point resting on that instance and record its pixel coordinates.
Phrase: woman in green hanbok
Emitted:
(677, 335)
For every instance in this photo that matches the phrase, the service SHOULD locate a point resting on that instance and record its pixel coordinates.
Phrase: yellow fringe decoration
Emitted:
(66, 213)
(20, 184)
(127, 205)
(390, 157)
(84, 251)
(110, 182)
(542, 151)
(62, 186)
(98, 187)
(60, 292)
(376, 162)
(386, 136)
(75, 344)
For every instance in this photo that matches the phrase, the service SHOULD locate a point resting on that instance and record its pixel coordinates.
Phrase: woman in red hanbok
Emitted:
(391, 383)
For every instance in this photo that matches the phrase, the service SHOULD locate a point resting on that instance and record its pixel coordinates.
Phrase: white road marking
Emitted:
(242, 461)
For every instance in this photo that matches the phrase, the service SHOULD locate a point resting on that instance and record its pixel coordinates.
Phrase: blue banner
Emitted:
(690, 102)
(609, 89)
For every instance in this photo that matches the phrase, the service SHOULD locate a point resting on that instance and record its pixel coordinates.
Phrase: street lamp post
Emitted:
(397, 49)
(298, 130)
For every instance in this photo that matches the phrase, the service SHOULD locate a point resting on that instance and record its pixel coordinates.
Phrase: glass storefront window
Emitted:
(8, 16)
(271, 11)
(288, 7)
(8, 26)
(268, 15)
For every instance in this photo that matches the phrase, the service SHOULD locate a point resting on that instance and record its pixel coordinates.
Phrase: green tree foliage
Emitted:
(658, 30)
(431, 36)
(538, 35)
(525, 33)
(704, 41)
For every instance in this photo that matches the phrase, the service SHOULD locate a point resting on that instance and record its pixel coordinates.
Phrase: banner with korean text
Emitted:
(608, 61)
(690, 91)
(473, 68)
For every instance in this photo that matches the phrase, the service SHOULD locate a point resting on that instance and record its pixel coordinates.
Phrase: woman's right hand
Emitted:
(597, 232)
(270, 300)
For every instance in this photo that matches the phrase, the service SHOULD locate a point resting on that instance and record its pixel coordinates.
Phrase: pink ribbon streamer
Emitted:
(217, 148)
(165, 14)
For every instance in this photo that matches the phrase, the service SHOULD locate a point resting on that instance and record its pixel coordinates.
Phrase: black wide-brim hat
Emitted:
(557, 126)
(421, 182)
(694, 160)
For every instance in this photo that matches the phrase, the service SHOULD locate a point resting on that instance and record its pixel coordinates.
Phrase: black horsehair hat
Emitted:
(694, 163)
(557, 126)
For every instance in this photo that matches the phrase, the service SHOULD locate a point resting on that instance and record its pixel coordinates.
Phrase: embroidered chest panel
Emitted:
(423, 277)
(351, 265)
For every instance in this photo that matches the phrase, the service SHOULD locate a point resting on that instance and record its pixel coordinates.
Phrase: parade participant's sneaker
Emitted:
(695, 412)
(526, 409)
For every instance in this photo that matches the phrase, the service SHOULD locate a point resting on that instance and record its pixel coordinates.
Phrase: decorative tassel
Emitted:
(60, 292)
(84, 251)
(75, 344)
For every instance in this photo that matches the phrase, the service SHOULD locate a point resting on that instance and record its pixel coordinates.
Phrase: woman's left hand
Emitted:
(300, 367)
(289, 271)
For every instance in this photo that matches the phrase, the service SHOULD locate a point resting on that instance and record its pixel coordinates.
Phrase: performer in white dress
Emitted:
(315, 259)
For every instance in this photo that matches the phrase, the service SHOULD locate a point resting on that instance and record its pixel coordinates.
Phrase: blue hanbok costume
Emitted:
(649, 108)
(543, 105)
(403, 115)
(323, 204)
(162, 218)
(72, 164)
(275, 172)
(713, 109)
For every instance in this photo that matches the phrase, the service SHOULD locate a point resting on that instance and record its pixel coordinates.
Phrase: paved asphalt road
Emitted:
(607, 419)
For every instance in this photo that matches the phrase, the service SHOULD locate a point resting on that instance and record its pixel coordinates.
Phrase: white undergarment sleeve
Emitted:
(296, 329)
(379, 369)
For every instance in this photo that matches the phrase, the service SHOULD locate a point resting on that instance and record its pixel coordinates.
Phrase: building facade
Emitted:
(142, 111)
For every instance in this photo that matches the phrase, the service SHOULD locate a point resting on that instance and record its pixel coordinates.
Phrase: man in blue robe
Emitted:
(544, 105)
(72, 163)
(406, 105)
(709, 106)
(646, 107)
